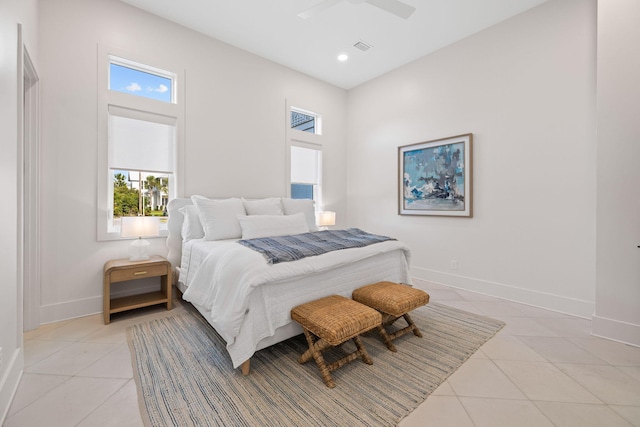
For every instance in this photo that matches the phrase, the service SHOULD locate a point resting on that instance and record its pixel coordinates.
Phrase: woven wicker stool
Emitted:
(334, 320)
(393, 300)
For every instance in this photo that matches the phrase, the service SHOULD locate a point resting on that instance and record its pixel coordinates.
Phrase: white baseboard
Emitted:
(9, 383)
(559, 303)
(627, 333)
(88, 306)
(70, 310)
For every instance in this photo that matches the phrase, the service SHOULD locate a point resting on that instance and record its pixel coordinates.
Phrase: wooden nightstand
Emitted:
(121, 270)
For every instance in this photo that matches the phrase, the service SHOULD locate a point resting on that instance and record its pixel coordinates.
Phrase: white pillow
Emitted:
(270, 206)
(254, 226)
(306, 206)
(191, 226)
(219, 218)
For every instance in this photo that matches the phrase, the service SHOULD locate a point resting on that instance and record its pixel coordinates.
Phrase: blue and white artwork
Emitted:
(435, 179)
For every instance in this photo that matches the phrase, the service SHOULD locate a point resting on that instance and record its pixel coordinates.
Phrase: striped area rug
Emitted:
(185, 378)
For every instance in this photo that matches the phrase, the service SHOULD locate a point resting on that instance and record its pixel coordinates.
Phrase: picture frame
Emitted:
(435, 177)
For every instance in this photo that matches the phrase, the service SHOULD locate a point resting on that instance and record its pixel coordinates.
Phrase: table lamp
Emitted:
(325, 219)
(139, 226)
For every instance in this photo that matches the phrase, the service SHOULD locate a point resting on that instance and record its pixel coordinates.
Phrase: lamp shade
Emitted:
(326, 218)
(140, 226)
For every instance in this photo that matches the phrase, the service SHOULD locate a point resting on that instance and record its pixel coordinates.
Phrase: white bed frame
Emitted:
(174, 245)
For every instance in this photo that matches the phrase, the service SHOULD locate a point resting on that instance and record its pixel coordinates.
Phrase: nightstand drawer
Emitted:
(138, 272)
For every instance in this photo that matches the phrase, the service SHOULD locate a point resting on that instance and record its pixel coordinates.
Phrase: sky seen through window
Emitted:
(139, 83)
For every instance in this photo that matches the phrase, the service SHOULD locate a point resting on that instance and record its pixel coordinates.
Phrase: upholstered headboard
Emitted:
(174, 239)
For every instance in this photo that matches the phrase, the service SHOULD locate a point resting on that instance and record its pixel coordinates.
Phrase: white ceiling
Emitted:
(272, 29)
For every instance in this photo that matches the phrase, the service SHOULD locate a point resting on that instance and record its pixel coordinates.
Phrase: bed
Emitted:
(246, 299)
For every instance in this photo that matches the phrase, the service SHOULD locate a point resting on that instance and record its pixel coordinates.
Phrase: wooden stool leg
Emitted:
(389, 319)
(315, 352)
(362, 351)
(319, 345)
(409, 320)
(324, 371)
(307, 355)
(387, 339)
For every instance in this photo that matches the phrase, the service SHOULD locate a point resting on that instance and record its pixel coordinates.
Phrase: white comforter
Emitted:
(225, 279)
(228, 285)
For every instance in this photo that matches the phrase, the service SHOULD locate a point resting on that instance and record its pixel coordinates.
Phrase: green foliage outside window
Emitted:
(156, 187)
(125, 199)
(128, 201)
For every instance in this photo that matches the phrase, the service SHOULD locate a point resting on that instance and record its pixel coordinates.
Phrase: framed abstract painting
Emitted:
(435, 177)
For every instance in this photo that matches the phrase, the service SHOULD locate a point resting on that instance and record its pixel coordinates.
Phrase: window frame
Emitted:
(111, 98)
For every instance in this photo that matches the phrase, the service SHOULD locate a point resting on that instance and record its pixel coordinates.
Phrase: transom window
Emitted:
(140, 80)
(305, 121)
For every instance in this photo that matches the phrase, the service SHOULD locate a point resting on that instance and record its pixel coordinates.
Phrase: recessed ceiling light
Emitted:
(343, 57)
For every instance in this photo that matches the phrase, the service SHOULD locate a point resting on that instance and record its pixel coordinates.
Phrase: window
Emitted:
(141, 163)
(305, 121)
(136, 79)
(305, 154)
(306, 167)
(139, 134)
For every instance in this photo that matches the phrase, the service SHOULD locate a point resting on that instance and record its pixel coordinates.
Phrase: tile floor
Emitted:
(542, 369)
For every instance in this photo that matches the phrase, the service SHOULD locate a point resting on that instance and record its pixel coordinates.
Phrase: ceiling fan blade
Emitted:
(396, 7)
(326, 4)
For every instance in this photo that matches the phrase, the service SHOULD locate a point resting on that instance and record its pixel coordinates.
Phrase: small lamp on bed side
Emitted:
(139, 226)
(325, 218)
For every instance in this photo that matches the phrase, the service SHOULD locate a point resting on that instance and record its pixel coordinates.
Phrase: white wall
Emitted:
(618, 213)
(12, 13)
(234, 135)
(525, 88)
